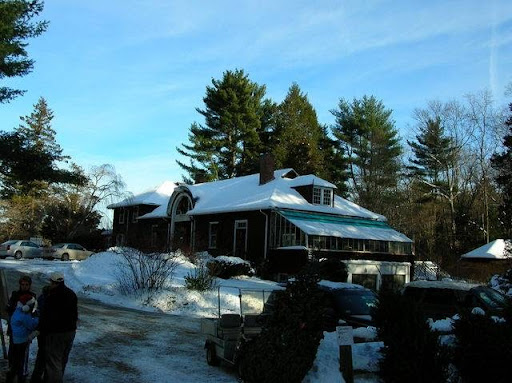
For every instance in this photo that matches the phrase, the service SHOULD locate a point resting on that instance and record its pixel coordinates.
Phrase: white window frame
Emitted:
(212, 234)
(322, 196)
(288, 239)
(154, 234)
(120, 239)
(135, 214)
(122, 213)
(237, 226)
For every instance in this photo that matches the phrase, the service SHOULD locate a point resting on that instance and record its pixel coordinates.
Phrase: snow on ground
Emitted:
(97, 277)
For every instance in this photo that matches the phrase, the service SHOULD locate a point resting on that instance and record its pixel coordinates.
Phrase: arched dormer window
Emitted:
(179, 207)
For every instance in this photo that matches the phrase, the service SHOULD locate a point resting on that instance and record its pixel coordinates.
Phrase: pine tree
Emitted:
(503, 164)
(16, 26)
(30, 156)
(371, 143)
(434, 154)
(298, 134)
(231, 141)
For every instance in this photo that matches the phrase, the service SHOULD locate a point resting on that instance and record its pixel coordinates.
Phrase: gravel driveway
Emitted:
(115, 344)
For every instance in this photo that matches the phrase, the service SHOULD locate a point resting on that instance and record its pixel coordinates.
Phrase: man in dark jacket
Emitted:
(58, 325)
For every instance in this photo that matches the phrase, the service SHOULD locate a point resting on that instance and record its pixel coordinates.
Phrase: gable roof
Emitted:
(246, 194)
(491, 250)
(157, 196)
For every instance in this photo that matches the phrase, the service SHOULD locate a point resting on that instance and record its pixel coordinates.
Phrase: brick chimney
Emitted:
(266, 168)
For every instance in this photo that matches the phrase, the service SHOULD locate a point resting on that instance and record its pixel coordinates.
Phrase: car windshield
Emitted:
(491, 297)
(11, 242)
(58, 246)
(354, 301)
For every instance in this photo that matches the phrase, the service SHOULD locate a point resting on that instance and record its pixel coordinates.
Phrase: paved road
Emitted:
(115, 344)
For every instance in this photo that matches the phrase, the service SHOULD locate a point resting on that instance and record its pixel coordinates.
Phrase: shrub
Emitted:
(287, 345)
(411, 352)
(144, 271)
(200, 279)
(228, 267)
(331, 269)
(482, 349)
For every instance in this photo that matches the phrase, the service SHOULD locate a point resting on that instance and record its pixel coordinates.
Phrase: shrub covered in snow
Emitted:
(200, 278)
(227, 267)
(502, 282)
(137, 270)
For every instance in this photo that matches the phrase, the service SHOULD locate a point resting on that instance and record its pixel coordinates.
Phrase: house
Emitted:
(141, 221)
(280, 219)
(485, 261)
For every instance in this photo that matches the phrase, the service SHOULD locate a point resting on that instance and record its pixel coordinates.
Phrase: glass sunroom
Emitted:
(323, 232)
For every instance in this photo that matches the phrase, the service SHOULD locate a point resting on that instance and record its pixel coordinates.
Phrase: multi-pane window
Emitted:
(154, 235)
(122, 212)
(212, 235)
(322, 196)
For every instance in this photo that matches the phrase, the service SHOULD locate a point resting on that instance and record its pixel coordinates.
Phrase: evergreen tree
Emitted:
(434, 154)
(335, 163)
(30, 156)
(298, 134)
(371, 143)
(503, 164)
(17, 25)
(231, 141)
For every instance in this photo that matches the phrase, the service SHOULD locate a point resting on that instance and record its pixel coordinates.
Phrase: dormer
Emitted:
(314, 190)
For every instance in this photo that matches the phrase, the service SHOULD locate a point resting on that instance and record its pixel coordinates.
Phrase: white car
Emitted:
(19, 248)
(67, 251)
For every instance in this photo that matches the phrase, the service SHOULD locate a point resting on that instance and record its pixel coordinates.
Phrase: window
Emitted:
(367, 280)
(135, 214)
(212, 235)
(121, 215)
(289, 239)
(392, 281)
(322, 196)
(154, 235)
(120, 240)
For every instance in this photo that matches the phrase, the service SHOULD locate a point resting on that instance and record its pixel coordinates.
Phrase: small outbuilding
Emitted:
(492, 258)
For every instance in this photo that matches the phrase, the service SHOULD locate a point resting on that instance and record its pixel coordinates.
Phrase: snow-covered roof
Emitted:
(492, 250)
(245, 194)
(444, 284)
(335, 226)
(157, 196)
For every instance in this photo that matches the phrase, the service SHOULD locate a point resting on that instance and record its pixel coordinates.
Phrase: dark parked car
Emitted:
(444, 299)
(352, 303)
(343, 301)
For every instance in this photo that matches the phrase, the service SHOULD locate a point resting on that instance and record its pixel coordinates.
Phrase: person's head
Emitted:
(26, 302)
(56, 279)
(25, 283)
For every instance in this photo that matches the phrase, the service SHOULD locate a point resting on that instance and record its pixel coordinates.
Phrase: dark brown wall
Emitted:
(138, 234)
(225, 236)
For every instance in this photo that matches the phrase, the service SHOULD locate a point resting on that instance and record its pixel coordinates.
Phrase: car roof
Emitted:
(444, 284)
(340, 285)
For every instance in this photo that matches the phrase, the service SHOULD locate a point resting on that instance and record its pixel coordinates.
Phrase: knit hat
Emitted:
(57, 277)
(27, 302)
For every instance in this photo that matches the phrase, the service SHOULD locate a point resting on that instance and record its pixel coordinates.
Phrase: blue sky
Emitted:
(124, 77)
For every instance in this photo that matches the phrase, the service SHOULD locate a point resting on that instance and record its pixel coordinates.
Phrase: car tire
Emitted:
(18, 255)
(65, 257)
(211, 356)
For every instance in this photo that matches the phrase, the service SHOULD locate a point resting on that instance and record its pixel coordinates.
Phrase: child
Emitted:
(22, 326)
